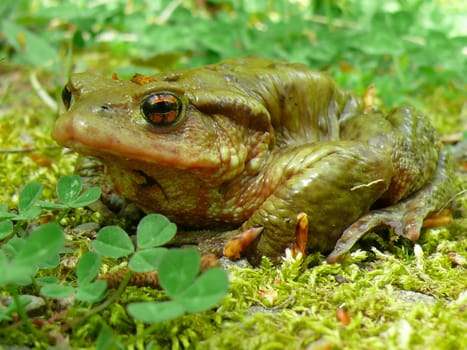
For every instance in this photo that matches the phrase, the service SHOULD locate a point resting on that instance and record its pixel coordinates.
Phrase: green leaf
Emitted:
(154, 230)
(29, 196)
(178, 270)
(402, 21)
(113, 242)
(31, 49)
(92, 292)
(42, 245)
(155, 312)
(108, 340)
(89, 196)
(68, 188)
(15, 274)
(4, 315)
(20, 275)
(206, 292)
(51, 206)
(4, 214)
(42, 281)
(56, 291)
(28, 214)
(88, 267)
(378, 43)
(50, 263)
(147, 260)
(6, 228)
(13, 246)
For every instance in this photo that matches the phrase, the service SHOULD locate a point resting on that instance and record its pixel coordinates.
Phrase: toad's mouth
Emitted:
(95, 137)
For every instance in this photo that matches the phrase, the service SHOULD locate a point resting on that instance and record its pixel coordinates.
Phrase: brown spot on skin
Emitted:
(142, 79)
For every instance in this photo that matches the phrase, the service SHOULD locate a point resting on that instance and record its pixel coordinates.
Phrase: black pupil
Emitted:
(163, 107)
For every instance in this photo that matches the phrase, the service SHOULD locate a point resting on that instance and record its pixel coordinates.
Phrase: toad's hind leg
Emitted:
(406, 217)
(333, 183)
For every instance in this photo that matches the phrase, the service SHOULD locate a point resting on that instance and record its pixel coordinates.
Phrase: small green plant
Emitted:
(70, 194)
(21, 259)
(68, 191)
(22, 256)
(177, 269)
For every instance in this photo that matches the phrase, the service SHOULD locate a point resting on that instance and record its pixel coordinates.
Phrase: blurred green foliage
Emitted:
(402, 46)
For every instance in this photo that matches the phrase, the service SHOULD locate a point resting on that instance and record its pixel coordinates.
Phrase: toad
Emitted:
(251, 143)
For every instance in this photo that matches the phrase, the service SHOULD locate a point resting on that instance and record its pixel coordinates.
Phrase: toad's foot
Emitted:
(405, 217)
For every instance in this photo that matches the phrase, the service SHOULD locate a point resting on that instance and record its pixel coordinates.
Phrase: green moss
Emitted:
(27, 152)
(306, 304)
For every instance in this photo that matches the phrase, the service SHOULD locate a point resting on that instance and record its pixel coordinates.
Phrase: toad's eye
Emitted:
(67, 97)
(162, 109)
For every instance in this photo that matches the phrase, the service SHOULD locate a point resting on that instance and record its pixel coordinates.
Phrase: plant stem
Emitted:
(22, 312)
(116, 295)
(109, 301)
